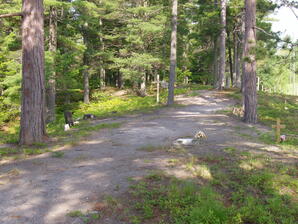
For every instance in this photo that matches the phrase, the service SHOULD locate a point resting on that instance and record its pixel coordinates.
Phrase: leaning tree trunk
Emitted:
(33, 82)
(51, 88)
(222, 45)
(173, 58)
(249, 88)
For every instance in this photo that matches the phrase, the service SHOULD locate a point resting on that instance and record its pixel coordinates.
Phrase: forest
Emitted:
(176, 78)
(91, 45)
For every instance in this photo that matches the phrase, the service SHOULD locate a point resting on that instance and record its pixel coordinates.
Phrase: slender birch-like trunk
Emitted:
(173, 57)
(222, 45)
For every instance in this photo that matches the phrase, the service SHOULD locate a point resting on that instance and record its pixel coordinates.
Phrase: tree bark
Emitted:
(222, 45)
(173, 57)
(33, 81)
(51, 88)
(249, 85)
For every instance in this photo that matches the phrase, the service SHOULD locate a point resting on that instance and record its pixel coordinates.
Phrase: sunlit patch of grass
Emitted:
(250, 165)
(10, 133)
(203, 171)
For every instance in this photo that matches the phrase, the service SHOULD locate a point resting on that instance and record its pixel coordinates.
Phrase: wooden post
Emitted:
(278, 126)
(258, 83)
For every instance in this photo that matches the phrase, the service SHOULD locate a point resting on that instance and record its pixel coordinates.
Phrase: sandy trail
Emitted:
(44, 189)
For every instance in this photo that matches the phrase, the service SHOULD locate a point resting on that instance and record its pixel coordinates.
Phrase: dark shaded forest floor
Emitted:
(95, 176)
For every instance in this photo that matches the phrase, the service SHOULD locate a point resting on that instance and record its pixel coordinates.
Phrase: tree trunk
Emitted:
(215, 63)
(33, 81)
(173, 57)
(242, 54)
(120, 80)
(237, 55)
(86, 81)
(51, 88)
(222, 46)
(102, 69)
(215, 54)
(230, 61)
(250, 90)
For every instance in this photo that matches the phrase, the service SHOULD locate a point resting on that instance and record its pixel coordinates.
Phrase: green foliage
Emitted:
(182, 75)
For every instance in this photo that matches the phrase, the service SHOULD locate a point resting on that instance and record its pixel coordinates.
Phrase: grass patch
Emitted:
(238, 189)
(57, 154)
(152, 148)
(89, 217)
(273, 106)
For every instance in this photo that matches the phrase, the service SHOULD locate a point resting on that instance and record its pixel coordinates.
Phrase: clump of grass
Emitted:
(8, 151)
(230, 150)
(150, 148)
(57, 154)
(32, 151)
(88, 217)
(75, 213)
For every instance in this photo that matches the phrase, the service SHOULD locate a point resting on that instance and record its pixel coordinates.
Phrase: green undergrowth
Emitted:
(273, 106)
(240, 188)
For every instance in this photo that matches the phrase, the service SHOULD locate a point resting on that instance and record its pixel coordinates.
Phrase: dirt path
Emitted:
(44, 189)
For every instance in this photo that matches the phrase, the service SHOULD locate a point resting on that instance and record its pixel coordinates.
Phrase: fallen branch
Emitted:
(11, 15)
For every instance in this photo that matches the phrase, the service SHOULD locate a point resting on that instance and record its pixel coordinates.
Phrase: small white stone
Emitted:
(184, 141)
